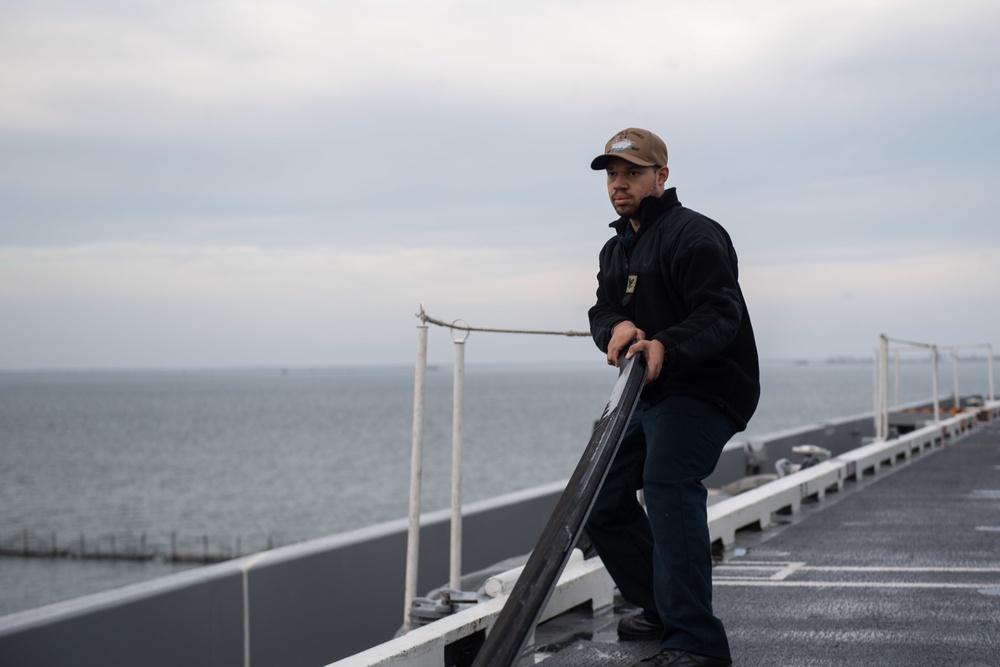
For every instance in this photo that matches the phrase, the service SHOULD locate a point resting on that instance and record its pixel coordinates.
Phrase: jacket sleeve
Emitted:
(707, 274)
(603, 317)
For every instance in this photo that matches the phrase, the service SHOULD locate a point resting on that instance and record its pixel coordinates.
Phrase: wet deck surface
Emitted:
(902, 569)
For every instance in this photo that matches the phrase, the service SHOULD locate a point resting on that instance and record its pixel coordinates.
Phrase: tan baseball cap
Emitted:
(636, 145)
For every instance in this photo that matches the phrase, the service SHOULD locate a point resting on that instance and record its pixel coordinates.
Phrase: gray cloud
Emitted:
(855, 133)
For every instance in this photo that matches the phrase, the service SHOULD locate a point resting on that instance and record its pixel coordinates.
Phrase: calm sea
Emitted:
(251, 457)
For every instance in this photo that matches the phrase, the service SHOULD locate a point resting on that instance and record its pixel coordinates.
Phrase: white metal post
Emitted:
(877, 392)
(896, 359)
(954, 374)
(455, 568)
(937, 390)
(416, 474)
(989, 348)
(883, 433)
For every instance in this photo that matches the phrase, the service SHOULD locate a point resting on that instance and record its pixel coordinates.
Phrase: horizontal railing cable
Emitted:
(424, 317)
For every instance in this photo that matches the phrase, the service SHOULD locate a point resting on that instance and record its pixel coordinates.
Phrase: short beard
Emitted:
(629, 210)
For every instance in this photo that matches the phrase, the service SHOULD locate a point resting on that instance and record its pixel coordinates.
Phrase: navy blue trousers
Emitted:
(661, 559)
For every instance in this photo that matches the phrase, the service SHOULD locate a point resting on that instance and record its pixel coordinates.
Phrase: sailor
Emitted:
(668, 289)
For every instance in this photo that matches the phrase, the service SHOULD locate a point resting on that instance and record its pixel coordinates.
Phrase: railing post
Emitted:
(989, 367)
(896, 360)
(937, 398)
(455, 567)
(416, 473)
(954, 374)
(877, 392)
(883, 408)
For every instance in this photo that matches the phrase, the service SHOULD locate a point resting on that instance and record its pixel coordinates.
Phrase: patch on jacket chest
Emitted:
(630, 285)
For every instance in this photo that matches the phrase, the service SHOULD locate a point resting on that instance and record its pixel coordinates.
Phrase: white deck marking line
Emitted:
(782, 566)
(786, 571)
(850, 568)
(754, 563)
(843, 584)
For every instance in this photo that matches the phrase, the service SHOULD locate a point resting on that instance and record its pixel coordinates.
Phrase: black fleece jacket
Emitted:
(685, 293)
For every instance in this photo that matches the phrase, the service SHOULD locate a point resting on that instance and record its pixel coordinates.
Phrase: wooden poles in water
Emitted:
(126, 547)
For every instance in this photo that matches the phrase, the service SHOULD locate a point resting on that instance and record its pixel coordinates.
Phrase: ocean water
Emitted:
(247, 458)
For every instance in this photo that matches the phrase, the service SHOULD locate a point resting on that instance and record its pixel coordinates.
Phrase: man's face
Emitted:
(629, 184)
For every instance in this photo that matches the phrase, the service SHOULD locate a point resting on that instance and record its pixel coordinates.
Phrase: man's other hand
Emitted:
(654, 352)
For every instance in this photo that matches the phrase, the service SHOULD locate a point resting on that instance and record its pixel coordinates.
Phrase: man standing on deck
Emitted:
(668, 289)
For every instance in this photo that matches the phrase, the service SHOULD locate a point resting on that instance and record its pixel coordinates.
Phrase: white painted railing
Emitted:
(416, 455)
(880, 391)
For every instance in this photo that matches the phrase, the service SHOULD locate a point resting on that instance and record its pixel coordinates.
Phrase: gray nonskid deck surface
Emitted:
(582, 639)
(901, 570)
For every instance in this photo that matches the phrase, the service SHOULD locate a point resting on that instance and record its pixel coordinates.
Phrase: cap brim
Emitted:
(601, 161)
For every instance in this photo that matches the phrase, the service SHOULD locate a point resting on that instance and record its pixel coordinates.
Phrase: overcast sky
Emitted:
(187, 184)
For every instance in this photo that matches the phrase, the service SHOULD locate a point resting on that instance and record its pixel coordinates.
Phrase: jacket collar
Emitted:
(650, 209)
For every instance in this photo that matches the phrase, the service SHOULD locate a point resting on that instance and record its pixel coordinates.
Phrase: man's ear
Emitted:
(661, 175)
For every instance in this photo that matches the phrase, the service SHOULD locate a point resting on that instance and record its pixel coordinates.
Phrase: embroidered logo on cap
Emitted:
(621, 145)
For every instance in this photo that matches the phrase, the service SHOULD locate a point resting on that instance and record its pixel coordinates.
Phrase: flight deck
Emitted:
(901, 569)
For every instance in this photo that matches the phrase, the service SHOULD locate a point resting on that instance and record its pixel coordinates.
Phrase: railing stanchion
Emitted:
(882, 432)
(455, 568)
(896, 359)
(989, 368)
(937, 390)
(416, 473)
(876, 393)
(956, 401)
